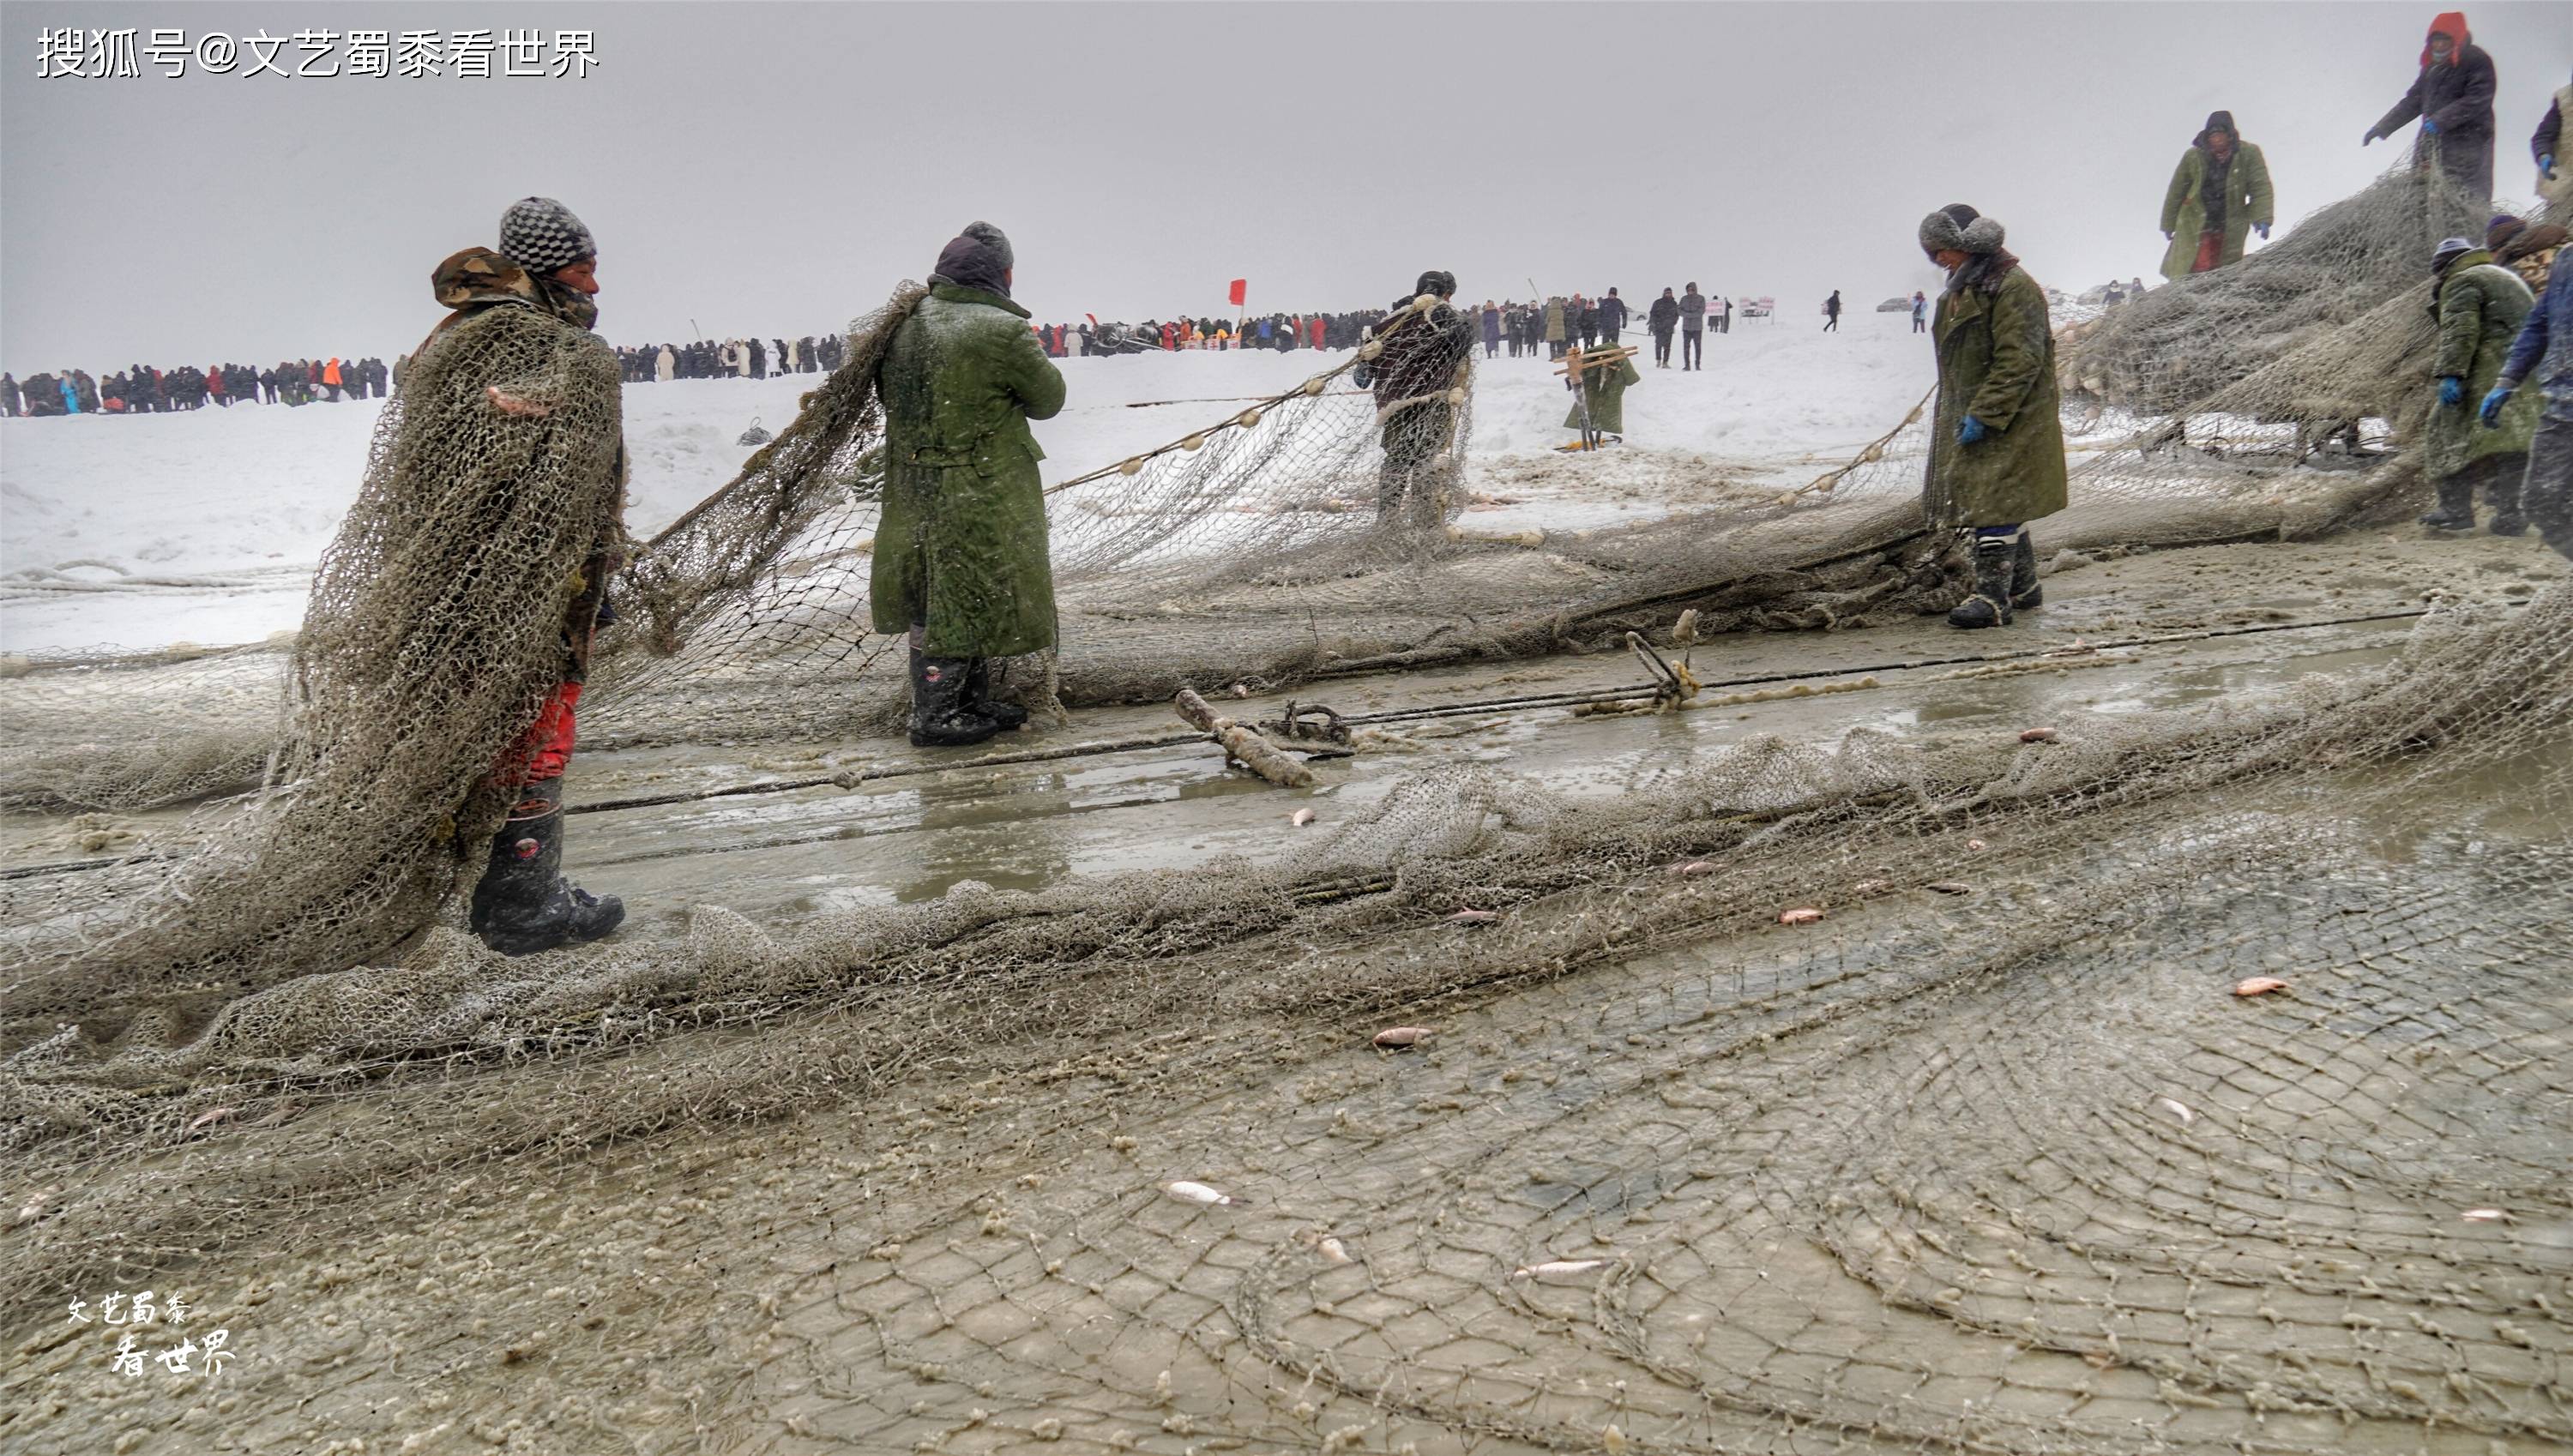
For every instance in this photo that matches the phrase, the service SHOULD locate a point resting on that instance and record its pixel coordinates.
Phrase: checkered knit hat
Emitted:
(541, 235)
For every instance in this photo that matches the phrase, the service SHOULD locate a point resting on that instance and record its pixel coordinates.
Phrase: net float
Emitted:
(2036, 735)
(1403, 1035)
(1802, 915)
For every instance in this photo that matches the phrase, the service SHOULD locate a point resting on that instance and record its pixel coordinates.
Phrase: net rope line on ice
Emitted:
(2087, 653)
(1898, 1185)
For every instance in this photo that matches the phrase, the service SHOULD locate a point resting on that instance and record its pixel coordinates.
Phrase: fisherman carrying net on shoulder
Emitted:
(1417, 374)
(1997, 440)
(961, 559)
(443, 657)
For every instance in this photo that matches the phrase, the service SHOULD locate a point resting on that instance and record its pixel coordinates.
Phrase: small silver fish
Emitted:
(2037, 735)
(1803, 914)
(1695, 867)
(1474, 916)
(1333, 1252)
(1556, 1267)
(1301, 818)
(1189, 1192)
(1402, 1036)
(2176, 1109)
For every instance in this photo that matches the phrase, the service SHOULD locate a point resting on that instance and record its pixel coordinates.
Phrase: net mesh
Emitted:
(1986, 1162)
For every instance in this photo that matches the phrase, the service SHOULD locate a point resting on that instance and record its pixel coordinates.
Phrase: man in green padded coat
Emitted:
(2218, 195)
(960, 553)
(2478, 307)
(1997, 440)
(1603, 381)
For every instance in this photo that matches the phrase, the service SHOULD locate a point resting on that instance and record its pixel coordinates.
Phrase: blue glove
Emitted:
(2452, 390)
(2429, 127)
(2545, 164)
(2491, 408)
(1972, 431)
(2261, 228)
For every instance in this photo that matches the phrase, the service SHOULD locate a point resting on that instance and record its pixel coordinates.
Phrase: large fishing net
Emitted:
(1988, 1161)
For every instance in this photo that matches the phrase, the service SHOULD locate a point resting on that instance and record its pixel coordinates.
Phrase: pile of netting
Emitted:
(1250, 551)
(2019, 1125)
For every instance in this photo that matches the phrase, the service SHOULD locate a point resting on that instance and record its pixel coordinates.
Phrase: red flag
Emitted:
(1241, 291)
(1093, 318)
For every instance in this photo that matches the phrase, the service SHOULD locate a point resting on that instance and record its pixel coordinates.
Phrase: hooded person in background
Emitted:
(1423, 354)
(1832, 311)
(2479, 307)
(1692, 329)
(2453, 97)
(1663, 319)
(2218, 196)
(1558, 326)
(961, 560)
(1997, 439)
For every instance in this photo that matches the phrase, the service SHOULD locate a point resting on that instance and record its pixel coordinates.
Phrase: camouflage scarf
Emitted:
(479, 275)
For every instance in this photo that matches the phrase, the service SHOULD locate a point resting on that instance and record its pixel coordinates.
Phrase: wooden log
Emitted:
(1241, 744)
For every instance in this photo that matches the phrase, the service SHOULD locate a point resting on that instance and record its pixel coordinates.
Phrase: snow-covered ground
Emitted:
(132, 533)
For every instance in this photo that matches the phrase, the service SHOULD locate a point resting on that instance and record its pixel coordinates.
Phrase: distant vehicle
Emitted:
(1759, 307)
(1115, 339)
(1894, 305)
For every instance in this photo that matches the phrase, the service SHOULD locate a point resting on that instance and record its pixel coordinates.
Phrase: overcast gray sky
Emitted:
(775, 168)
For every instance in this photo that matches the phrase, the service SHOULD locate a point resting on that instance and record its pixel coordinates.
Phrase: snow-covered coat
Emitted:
(2249, 201)
(665, 365)
(1996, 349)
(2479, 310)
(961, 543)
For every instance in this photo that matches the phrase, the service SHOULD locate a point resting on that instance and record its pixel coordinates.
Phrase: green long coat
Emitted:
(1606, 387)
(1997, 363)
(1554, 321)
(961, 543)
(2479, 308)
(2249, 201)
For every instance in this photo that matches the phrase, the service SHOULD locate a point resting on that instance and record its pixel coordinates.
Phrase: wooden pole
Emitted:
(1241, 744)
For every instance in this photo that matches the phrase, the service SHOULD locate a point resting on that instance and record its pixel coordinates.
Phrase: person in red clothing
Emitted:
(1313, 329)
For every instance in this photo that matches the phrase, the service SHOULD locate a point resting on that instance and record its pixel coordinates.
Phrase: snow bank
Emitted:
(129, 533)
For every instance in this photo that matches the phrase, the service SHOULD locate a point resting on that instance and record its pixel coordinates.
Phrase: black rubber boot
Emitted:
(978, 697)
(939, 716)
(2024, 589)
(524, 904)
(2503, 491)
(2457, 510)
(1990, 605)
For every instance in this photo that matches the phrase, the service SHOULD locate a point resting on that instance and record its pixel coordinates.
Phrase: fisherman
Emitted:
(2543, 353)
(2478, 308)
(1425, 351)
(1995, 442)
(2218, 196)
(2453, 97)
(515, 374)
(961, 561)
(1602, 380)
